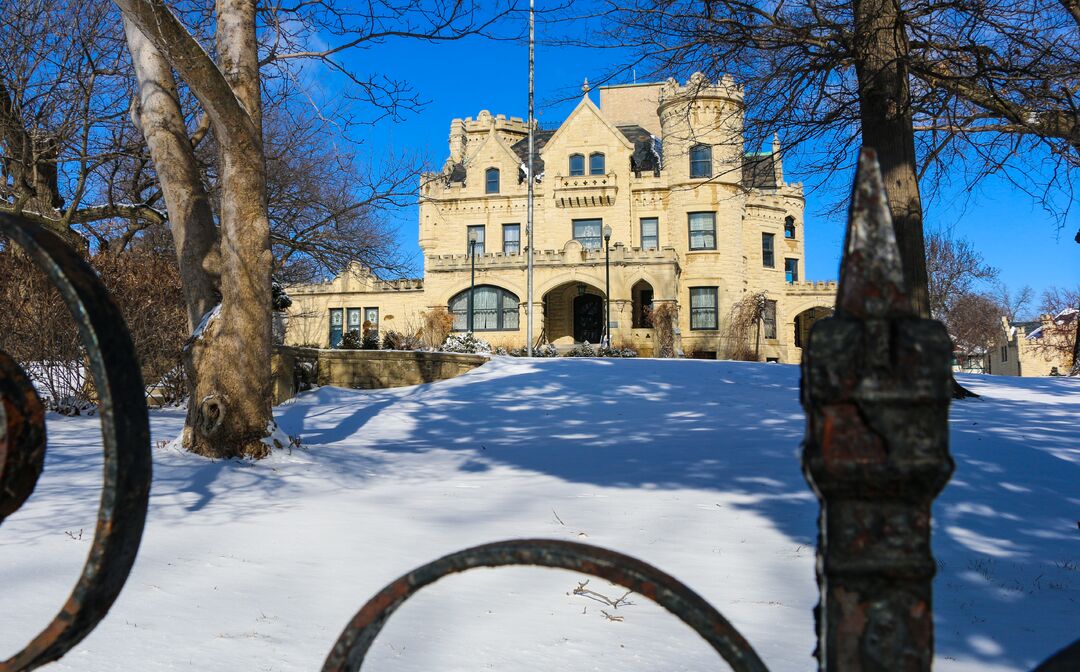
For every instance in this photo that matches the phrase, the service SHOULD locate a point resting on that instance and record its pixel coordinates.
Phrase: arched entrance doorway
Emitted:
(588, 318)
(804, 320)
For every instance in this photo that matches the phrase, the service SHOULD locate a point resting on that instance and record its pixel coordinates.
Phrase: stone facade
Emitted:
(694, 221)
(1033, 348)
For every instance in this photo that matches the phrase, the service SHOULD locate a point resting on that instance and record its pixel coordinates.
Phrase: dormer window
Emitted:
(789, 227)
(596, 164)
(701, 161)
(577, 165)
(491, 181)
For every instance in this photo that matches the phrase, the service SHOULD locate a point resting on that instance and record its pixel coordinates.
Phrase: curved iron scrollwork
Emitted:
(351, 648)
(125, 433)
(1065, 660)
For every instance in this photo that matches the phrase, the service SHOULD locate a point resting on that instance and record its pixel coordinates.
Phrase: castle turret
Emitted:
(702, 127)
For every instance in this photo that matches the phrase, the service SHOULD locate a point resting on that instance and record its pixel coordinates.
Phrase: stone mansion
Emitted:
(694, 220)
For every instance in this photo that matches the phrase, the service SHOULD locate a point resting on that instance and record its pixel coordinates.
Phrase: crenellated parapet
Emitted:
(571, 254)
(810, 287)
(699, 89)
(465, 133)
(358, 278)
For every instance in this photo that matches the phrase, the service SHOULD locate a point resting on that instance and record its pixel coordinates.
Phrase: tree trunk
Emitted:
(229, 413)
(158, 116)
(880, 45)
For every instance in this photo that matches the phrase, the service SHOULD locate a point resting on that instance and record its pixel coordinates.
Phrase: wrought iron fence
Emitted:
(875, 386)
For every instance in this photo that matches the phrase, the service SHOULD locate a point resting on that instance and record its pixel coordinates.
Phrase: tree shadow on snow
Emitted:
(1005, 527)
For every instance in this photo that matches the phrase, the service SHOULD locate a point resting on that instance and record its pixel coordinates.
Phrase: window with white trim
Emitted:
(478, 231)
(588, 232)
(702, 230)
(703, 307)
(650, 233)
(511, 238)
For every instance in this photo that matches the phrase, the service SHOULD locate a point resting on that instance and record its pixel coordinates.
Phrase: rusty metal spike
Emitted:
(871, 274)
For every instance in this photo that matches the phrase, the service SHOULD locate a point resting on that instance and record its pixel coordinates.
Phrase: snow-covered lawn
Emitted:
(691, 466)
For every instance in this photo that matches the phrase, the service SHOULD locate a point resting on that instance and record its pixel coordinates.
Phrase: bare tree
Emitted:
(992, 80)
(973, 320)
(742, 332)
(256, 48)
(328, 207)
(1014, 305)
(954, 268)
(64, 88)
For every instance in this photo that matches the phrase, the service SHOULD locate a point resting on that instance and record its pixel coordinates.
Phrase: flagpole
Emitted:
(532, 181)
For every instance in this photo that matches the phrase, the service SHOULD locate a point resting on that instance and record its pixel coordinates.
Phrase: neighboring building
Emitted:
(973, 361)
(694, 221)
(1040, 348)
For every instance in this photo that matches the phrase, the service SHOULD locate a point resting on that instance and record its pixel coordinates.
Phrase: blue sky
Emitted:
(1028, 245)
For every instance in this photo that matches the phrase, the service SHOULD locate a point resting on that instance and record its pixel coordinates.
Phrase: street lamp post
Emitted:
(472, 281)
(607, 286)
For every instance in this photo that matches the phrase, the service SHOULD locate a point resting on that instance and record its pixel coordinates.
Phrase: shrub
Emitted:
(545, 350)
(370, 341)
(351, 341)
(436, 327)
(466, 343)
(583, 350)
(38, 331)
(393, 340)
(662, 316)
(617, 351)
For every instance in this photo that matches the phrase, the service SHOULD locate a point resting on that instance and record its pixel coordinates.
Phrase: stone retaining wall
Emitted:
(365, 369)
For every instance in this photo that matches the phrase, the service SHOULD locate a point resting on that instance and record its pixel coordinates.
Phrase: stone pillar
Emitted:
(622, 311)
(876, 389)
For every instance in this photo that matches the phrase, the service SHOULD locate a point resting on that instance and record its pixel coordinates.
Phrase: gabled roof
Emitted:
(586, 106)
(458, 171)
(521, 148)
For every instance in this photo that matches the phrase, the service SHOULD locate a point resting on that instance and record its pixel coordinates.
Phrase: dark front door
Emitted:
(588, 318)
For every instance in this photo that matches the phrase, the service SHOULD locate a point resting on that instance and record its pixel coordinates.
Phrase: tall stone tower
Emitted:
(702, 114)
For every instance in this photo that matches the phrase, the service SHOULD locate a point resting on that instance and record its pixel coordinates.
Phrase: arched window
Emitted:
(701, 161)
(596, 164)
(789, 227)
(491, 181)
(494, 309)
(577, 164)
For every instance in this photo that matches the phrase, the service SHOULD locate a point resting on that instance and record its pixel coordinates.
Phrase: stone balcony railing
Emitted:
(584, 190)
(572, 253)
